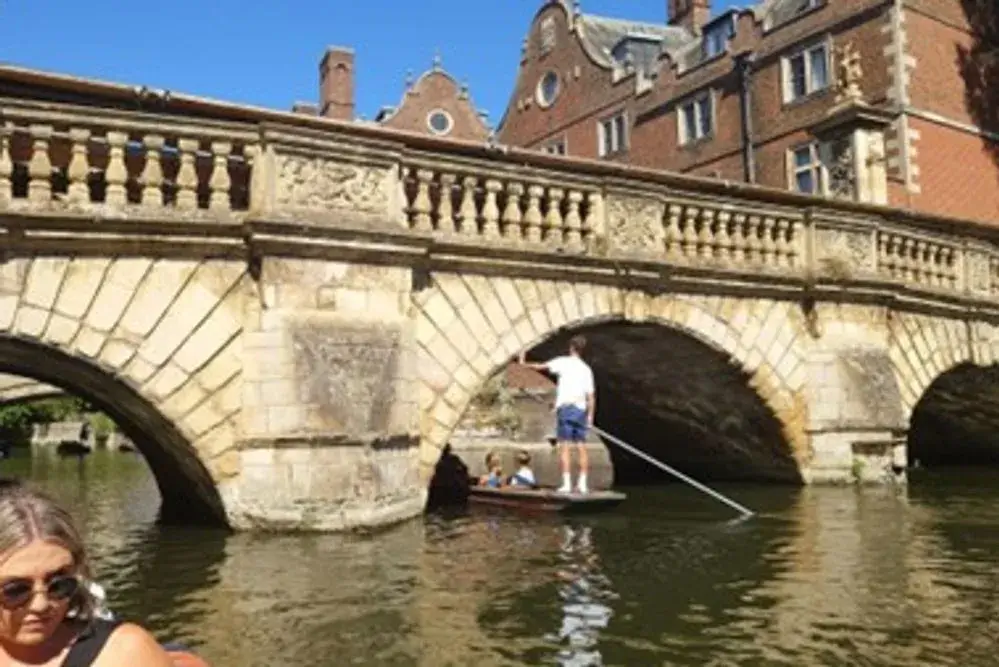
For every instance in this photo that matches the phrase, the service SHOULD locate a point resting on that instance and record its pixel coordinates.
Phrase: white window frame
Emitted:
(684, 134)
(805, 53)
(552, 147)
(617, 126)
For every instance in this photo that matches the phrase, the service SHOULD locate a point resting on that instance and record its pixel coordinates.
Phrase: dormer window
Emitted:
(716, 36)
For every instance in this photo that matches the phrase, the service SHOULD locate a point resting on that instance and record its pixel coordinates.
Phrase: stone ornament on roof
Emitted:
(849, 74)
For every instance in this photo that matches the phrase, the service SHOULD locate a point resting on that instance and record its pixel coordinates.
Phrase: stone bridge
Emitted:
(290, 315)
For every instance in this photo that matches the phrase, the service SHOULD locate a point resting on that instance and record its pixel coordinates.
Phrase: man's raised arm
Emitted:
(532, 364)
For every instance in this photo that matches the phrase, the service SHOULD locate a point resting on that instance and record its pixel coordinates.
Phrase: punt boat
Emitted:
(544, 499)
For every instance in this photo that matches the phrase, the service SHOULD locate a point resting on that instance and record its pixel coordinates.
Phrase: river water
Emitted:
(824, 576)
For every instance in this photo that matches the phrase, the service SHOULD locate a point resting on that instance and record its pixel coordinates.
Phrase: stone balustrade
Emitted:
(479, 200)
(177, 166)
(78, 157)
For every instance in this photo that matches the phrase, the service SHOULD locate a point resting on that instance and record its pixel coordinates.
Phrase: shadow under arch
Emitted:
(679, 398)
(187, 491)
(956, 420)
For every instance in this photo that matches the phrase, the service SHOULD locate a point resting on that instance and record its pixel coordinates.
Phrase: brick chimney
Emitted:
(336, 83)
(690, 14)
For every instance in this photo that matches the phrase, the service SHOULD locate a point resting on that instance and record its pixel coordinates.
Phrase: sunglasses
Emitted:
(15, 593)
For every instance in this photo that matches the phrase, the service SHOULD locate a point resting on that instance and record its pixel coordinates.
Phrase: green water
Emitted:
(822, 577)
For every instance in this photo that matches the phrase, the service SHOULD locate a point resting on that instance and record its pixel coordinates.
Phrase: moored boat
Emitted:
(544, 499)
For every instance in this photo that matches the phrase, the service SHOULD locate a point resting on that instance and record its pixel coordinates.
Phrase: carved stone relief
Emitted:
(315, 183)
(635, 225)
(979, 278)
(841, 249)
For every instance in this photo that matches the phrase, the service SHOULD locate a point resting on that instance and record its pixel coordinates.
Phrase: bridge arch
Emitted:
(153, 342)
(468, 327)
(925, 347)
(943, 367)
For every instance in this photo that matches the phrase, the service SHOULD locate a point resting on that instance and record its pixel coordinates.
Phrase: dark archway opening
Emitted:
(187, 492)
(956, 421)
(681, 401)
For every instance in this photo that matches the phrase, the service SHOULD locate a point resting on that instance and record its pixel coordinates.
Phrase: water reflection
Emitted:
(822, 577)
(583, 590)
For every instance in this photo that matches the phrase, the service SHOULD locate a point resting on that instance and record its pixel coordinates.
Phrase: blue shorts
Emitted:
(571, 424)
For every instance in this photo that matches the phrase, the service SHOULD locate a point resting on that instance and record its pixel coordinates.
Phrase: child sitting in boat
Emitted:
(524, 475)
(494, 475)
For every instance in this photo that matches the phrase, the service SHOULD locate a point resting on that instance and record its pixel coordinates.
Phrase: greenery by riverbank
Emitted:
(17, 419)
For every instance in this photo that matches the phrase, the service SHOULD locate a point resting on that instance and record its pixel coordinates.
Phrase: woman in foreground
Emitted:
(47, 613)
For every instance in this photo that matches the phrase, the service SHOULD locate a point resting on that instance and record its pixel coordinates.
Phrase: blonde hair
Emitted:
(27, 515)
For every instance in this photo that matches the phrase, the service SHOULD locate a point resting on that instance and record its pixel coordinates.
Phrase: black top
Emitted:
(90, 643)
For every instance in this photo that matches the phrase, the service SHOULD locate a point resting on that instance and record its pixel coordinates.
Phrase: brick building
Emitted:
(435, 103)
(886, 101)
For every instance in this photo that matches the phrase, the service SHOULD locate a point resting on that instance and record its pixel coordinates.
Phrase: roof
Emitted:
(600, 34)
(776, 12)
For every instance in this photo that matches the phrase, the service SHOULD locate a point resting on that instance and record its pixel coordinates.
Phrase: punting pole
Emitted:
(676, 473)
(746, 513)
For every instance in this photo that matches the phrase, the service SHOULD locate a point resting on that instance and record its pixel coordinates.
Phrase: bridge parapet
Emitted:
(108, 163)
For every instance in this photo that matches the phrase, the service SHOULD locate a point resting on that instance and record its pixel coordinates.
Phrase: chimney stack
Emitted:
(690, 14)
(336, 84)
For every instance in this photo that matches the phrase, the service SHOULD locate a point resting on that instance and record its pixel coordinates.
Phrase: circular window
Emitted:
(439, 121)
(548, 89)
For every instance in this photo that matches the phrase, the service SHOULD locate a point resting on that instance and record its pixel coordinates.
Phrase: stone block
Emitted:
(79, 286)
(61, 329)
(8, 307)
(44, 278)
(116, 292)
(30, 321)
(509, 297)
(212, 335)
(115, 354)
(167, 380)
(154, 295)
(89, 342)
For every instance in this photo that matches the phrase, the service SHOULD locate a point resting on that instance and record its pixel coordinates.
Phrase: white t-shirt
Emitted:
(575, 381)
(525, 474)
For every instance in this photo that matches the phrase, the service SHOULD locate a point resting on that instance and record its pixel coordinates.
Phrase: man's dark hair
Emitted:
(577, 344)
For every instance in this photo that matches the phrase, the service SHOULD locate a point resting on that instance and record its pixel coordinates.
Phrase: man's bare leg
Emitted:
(584, 467)
(565, 461)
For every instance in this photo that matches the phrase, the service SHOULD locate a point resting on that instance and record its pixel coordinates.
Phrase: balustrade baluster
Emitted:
(532, 218)
(219, 183)
(938, 269)
(445, 207)
(908, 261)
(553, 217)
(796, 238)
(422, 221)
(573, 223)
(690, 214)
(467, 213)
(723, 241)
(116, 172)
(511, 212)
(40, 166)
(6, 165)
(594, 213)
(769, 245)
(674, 235)
(949, 268)
(490, 210)
(187, 175)
(705, 236)
(782, 245)
(894, 259)
(754, 245)
(739, 239)
(78, 170)
(923, 266)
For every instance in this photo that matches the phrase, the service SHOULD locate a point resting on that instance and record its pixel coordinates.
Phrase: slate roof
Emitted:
(600, 34)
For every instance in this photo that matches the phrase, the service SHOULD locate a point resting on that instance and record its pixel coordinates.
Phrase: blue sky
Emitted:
(266, 52)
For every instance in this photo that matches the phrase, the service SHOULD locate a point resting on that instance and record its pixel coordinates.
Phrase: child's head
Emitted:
(492, 461)
(523, 458)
